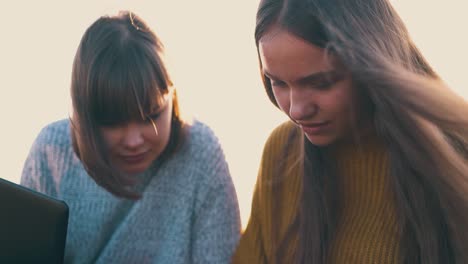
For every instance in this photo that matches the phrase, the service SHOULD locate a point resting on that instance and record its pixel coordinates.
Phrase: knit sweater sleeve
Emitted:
(37, 173)
(255, 246)
(251, 245)
(217, 226)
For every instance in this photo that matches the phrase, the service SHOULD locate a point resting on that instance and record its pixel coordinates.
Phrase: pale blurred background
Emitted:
(213, 60)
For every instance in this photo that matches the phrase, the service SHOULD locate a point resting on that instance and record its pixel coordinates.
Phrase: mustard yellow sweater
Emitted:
(366, 230)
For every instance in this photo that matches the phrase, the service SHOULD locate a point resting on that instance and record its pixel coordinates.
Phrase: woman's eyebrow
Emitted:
(317, 76)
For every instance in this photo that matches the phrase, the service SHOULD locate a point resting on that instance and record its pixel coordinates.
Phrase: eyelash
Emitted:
(321, 85)
(152, 117)
(324, 85)
(277, 83)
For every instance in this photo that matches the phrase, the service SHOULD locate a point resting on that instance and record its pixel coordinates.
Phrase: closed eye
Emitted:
(152, 117)
(322, 84)
(155, 114)
(324, 80)
(276, 83)
(319, 80)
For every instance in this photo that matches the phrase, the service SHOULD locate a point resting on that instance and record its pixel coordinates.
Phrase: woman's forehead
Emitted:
(286, 56)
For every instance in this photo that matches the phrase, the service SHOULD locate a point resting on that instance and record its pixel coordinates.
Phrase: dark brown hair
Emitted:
(118, 75)
(423, 124)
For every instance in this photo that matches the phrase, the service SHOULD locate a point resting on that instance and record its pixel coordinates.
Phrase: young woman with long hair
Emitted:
(372, 166)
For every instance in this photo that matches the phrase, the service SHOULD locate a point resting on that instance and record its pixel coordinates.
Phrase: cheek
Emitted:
(110, 136)
(342, 104)
(150, 135)
(337, 103)
(282, 99)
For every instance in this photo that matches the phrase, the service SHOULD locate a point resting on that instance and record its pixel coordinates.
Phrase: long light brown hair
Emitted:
(118, 75)
(422, 122)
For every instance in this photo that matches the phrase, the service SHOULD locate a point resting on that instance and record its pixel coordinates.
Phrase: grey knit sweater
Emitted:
(188, 213)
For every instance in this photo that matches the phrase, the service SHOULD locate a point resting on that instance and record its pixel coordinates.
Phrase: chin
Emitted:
(320, 141)
(135, 170)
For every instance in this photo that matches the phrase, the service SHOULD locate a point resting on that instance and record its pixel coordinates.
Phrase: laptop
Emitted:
(33, 226)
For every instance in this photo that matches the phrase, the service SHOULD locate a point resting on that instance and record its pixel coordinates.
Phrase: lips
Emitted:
(134, 158)
(315, 128)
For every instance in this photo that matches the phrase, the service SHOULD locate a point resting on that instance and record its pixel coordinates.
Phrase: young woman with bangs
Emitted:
(372, 166)
(143, 185)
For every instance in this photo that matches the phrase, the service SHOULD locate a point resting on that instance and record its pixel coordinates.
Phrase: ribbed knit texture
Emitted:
(366, 231)
(188, 214)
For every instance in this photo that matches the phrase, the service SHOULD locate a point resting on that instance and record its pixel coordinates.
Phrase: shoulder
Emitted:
(48, 158)
(198, 167)
(202, 143)
(281, 158)
(283, 138)
(200, 133)
(54, 138)
(56, 133)
(201, 154)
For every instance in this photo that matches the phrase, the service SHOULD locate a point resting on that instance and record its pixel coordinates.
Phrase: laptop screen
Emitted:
(33, 226)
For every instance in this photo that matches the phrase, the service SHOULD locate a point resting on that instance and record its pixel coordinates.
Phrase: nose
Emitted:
(301, 105)
(133, 136)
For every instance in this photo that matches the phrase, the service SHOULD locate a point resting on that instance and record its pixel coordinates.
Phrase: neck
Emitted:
(355, 141)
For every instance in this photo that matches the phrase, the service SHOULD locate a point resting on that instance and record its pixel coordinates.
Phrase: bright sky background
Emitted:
(213, 61)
